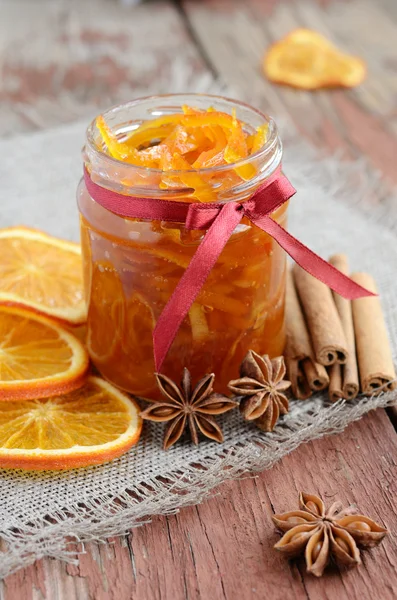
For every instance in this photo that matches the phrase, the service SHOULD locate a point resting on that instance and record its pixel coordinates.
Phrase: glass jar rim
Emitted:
(272, 139)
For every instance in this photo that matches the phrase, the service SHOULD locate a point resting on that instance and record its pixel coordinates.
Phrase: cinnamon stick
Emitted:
(377, 372)
(304, 373)
(299, 384)
(348, 374)
(316, 374)
(323, 322)
(335, 390)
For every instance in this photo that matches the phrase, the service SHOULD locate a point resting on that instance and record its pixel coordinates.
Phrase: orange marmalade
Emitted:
(190, 148)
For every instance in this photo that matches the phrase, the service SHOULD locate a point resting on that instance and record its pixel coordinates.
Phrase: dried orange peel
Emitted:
(307, 60)
(190, 140)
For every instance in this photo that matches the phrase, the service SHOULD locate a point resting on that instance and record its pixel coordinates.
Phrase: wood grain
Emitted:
(356, 121)
(69, 59)
(223, 548)
(64, 60)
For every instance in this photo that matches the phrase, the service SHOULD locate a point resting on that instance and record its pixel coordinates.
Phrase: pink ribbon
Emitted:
(219, 220)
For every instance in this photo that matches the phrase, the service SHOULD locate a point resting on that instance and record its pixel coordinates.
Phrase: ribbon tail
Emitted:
(311, 262)
(193, 279)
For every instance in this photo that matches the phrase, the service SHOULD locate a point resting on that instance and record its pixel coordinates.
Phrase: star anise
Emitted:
(261, 386)
(321, 534)
(182, 407)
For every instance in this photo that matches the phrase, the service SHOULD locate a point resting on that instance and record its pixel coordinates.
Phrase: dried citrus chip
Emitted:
(42, 273)
(89, 426)
(306, 36)
(305, 59)
(38, 358)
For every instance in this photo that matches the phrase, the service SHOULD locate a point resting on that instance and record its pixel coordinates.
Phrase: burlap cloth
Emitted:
(39, 513)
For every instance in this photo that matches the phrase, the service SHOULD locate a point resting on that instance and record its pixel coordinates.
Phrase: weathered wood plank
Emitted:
(236, 39)
(223, 548)
(68, 59)
(364, 29)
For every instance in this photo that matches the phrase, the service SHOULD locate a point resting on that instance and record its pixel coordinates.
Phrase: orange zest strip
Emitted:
(236, 149)
(202, 190)
(189, 141)
(154, 124)
(144, 137)
(259, 138)
(117, 149)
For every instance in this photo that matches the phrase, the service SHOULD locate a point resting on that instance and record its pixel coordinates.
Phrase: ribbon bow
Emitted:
(219, 220)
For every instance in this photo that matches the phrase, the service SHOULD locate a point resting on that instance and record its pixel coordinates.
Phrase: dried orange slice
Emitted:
(305, 59)
(38, 358)
(42, 273)
(89, 426)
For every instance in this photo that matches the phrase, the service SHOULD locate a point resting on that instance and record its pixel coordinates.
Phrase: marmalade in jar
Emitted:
(191, 149)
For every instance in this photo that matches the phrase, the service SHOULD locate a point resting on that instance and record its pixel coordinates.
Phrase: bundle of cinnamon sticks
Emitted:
(335, 343)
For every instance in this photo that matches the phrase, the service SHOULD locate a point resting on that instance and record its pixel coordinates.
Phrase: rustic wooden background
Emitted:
(66, 59)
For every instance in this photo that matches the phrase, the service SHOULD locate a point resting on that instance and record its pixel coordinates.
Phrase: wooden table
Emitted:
(68, 59)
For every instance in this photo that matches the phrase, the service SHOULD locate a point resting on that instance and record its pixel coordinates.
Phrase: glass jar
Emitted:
(131, 266)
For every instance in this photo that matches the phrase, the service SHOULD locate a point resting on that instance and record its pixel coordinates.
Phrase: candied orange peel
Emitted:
(305, 59)
(190, 140)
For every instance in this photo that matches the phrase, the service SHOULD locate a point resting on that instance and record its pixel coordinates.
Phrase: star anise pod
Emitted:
(322, 534)
(182, 407)
(261, 386)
